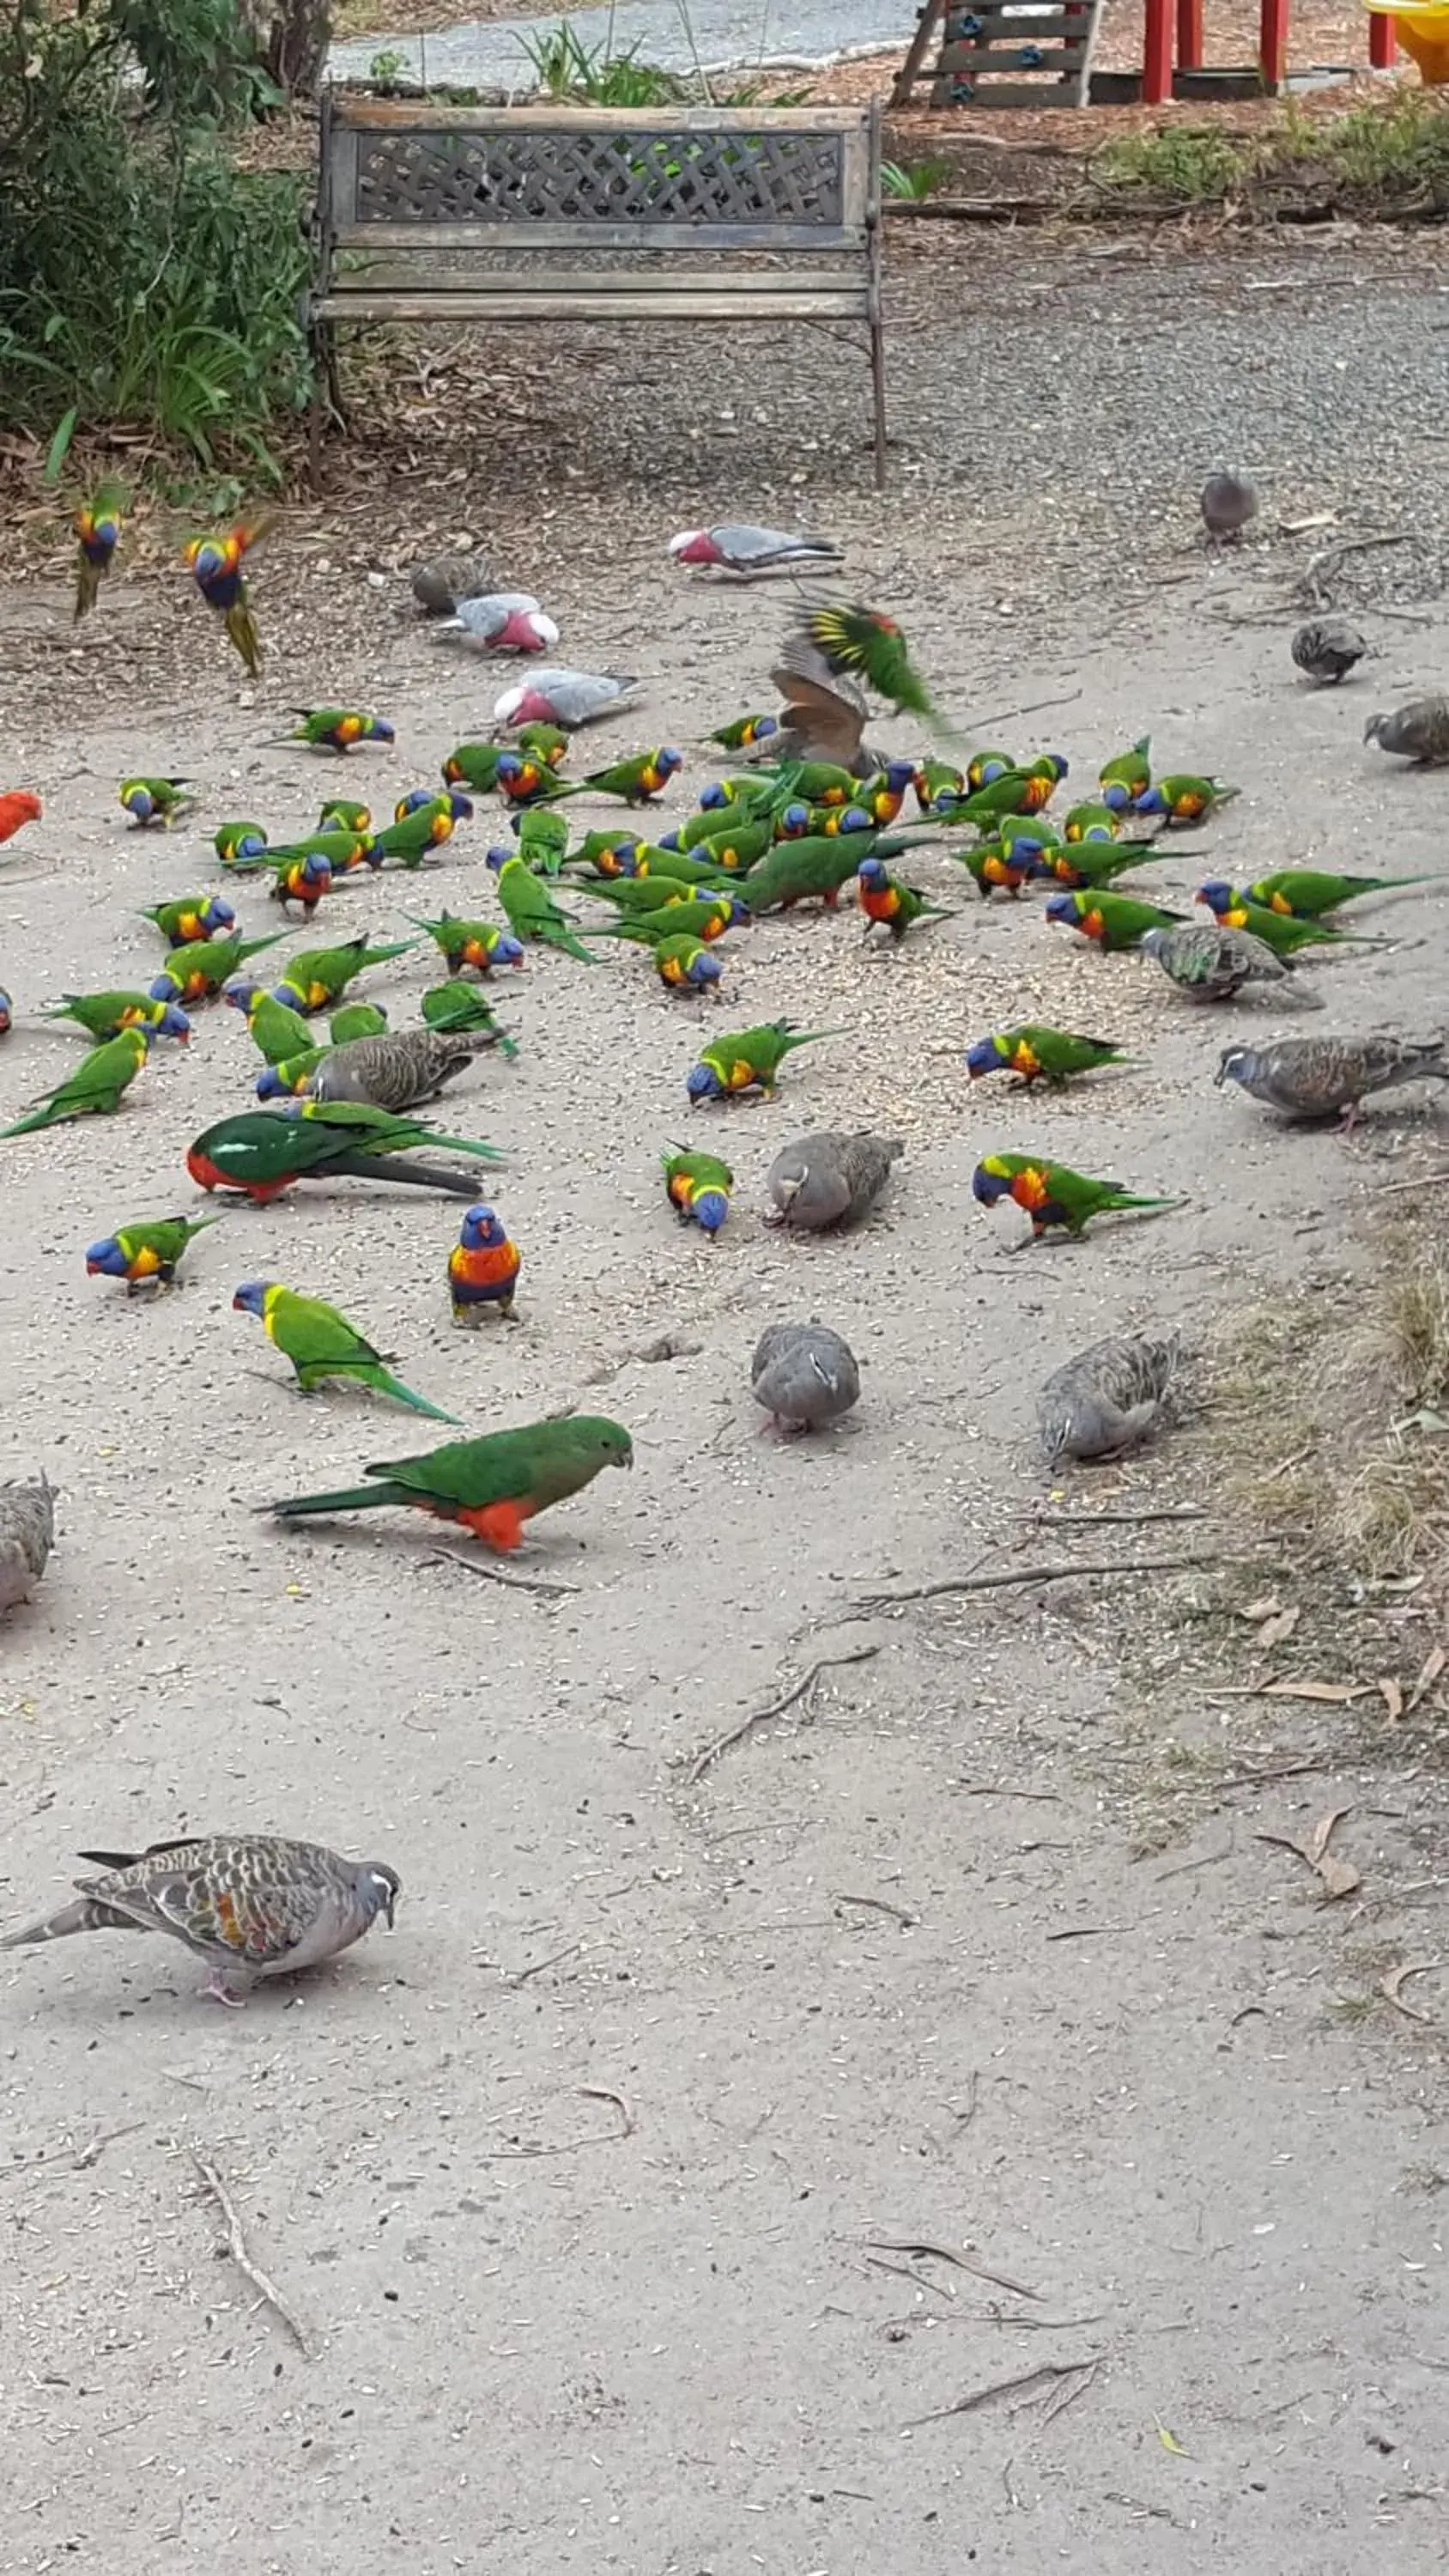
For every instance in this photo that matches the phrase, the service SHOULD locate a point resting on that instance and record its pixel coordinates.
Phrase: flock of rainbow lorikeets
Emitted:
(787, 828)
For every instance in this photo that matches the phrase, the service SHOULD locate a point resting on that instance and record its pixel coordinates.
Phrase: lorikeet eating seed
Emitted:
(479, 944)
(95, 1088)
(216, 562)
(1186, 799)
(238, 844)
(493, 1486)
(189, 917)
(1126, 776)
(337, 728)
(202, 967)
(1282, 932)
(150, 1252)
(321, 1343)
(531, 910)
(154, 800)
(104, 1015)
(1052, 1194)
(483, 1267)
(749, 1059)
(1310, 892)
(317, 977)
(98, 524)
(741, 731)
(698, 1188)
(885, 900)
(685, 965)
(1114, 921)
(1040, 1054)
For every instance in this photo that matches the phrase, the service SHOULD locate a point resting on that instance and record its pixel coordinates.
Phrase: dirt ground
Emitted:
(664, 2193)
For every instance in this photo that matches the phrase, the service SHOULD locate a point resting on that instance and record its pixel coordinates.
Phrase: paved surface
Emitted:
(717, 35)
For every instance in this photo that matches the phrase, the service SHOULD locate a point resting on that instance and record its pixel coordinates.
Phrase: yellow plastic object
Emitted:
(1424, 35)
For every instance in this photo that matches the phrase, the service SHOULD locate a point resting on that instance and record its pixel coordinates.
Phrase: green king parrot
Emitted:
(261, 1154)
(493, 1486)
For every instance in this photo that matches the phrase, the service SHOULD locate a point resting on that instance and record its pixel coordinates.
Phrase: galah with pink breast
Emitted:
(502, 621)
(749, 551)
(567, 698)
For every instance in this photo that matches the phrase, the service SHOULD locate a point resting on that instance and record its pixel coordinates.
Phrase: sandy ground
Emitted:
(595, 2187)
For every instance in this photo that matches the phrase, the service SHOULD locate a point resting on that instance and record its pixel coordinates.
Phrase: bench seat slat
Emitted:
(522, 234)
(510, 304)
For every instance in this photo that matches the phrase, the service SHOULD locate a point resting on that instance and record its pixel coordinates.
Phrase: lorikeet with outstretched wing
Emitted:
(216, 561)
(98, 524)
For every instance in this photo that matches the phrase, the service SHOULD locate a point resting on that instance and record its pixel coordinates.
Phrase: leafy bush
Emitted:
(567, 68)
(143, 279)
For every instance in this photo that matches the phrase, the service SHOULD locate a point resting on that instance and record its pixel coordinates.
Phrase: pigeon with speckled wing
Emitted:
(1107, 1398)
(1305, 1078)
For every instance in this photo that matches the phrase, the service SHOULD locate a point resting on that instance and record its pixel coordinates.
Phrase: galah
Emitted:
(743, 549)
(567, 698)
(503, 621)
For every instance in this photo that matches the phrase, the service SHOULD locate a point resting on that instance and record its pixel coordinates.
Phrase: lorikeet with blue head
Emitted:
(742, 731)
(98, 524)
(338, 728)
(217, 563)
(493, 1486)
(1282, 932)
(321, 1344)
(543, 742)
(148, 1253)
(1015, 791)
(698, 1187)
(199, 970)
(7, 1014)
(104, 1015)
(154, 800)
(732, 841)
(1126, 776)
(240, 845)
(483, 1267)
(1091, 863)
(410, 839)
(1185, 799)
(629, 895)
(749, 1059)
(346, 814)
(474, 764)
(95, 1088)
(1035, 1054)
(302, 881)
(939, 786)
(317, 977)
(638, 779)
(289, 1079)
(273, 1027)
(531, 910)
(797, 822)
(1091, 821)
(1308, 893)
(261, 1154)
(521, 780)
(186, 918)
(1112, 921)
(994, 869)
(698, 917)
(983, 768)
(461, 942)
(685, 965)
(459, 806)
(894, 906)
(1053, 1195)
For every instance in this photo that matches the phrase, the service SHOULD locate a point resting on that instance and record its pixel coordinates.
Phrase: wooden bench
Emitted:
(433, 213)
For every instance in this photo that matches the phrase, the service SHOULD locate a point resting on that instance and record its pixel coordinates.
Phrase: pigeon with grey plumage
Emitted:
(440, 587)
(1209, 962)
(1327, 649)
(826, 1179)
(27, 1535)
(1417, 731)
(400, 1069)
(1107, 1398)
(1227, 504)
(804, 1375)
(1304, 1078)
(500, 621)
(740, 548)
(250, 1905)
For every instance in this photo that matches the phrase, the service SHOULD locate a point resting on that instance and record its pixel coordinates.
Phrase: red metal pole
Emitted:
(1189, 35)
(1383, 42)
(1157, 53)
(1273, 42)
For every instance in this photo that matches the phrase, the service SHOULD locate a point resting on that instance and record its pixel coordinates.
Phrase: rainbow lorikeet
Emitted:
(216, 561)
(531, 910)
(1090, 863)
(644, 893)
(104, 1015)
(7, 1014)
(461, 807)
(239, 845)
(1310, 892)
(648, 862)
(1126, 776)
(543, 742)
(261, 1154)
(543, 838)
(154, 800)
(479, 944)
(474, 764)
(797, 822)
(883, 795)
(698, 1187)
(95, 1088)
(1185, 798)
(337, 728)
(863, 641)
(704, 917)
(994, 869)
(459, 1008)
(643, 775)
(1091, 821)
(273, 1027)
(357, 1020)
(1053, 1195)
(151, 1251)
(345, 814)
(195, 972)
(187, 918)
(483, 1267)
(321, 1344)
(408, 841)
(290, 1078)
(343, 848)
(731, 841)
(1040, 1054)
(810, 782)
(749, 1059)
(741, 731)
(493, 1486)
(609, 853)
(885, 900)
(1015, 791)
(685, 965)
(98, 524)
(1026, 835)
(316, 977)
(1280, 931)
(522, 780)
(939, 785)
(1114, 921)
(301, 881)
(818, 866)
(983, 768)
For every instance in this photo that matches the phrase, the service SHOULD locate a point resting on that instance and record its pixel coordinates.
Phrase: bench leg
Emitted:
(877, 379)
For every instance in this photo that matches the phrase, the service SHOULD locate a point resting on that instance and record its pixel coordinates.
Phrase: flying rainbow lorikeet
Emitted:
(98, 524)
(216, 562)
(868, 643)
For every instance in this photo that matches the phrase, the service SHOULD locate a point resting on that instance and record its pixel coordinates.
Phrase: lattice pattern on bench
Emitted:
(566, 177)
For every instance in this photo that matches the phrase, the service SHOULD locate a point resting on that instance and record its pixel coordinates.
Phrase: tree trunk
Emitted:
(295, 45)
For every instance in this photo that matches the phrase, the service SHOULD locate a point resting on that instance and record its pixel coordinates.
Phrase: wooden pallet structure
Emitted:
(1001, 53)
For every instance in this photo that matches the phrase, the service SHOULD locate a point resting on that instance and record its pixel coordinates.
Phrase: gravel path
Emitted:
(710, 35)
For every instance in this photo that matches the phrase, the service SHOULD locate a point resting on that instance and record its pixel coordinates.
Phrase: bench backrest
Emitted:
(432, 178)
